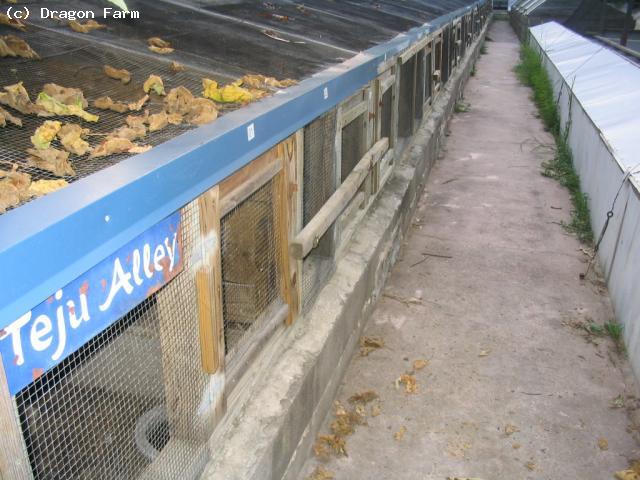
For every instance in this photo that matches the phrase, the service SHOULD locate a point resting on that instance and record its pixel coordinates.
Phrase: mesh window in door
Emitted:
(405, 106)
(110, 408)
(250, 266)
(318, 170)
(428, 78)
(386, 114)
(353, 145)
(419, 91)
(446, 58)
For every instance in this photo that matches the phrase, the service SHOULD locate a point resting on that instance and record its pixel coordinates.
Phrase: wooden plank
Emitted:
(247, 180)
(209, 283)
(299, 217)
(353, 113)
(285, 202)
(307, 239)
(14, 460)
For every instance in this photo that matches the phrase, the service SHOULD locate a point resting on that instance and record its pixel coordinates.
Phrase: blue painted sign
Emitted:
(50, 332)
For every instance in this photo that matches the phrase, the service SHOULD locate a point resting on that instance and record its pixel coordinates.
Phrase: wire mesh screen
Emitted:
(386, 114)
(319, 165)
(113, 408)
(428, 79)
(446, 54)
(405, 104)
(250, 266)
(353, 144)
(418, 99)
(75, 63)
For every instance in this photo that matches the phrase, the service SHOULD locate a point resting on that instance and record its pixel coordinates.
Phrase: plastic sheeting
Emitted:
(606, 85)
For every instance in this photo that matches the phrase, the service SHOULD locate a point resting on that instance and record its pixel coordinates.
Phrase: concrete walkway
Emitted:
(487, 290)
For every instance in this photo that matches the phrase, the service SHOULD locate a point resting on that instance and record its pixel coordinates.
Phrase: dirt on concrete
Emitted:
(511, 380)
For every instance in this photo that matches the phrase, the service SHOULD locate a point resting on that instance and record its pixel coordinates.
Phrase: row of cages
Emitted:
(125, 372)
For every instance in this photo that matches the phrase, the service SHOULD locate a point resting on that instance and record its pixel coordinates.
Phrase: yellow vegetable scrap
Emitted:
(117, 74)
(12, 46)
(231, 93)
(52, 160)
(16, 97)
(196, 111)
(42, 187)
(106, 103)
(157, 45)
(14, 188)
(12, 22)
(45, 134)
(116, 145)
(86, 27)
(7, 117)
(176, 67)
(137, 105)
(265, 83)
(72, 136)
(158, 121)
(64, 101)
(154, 84)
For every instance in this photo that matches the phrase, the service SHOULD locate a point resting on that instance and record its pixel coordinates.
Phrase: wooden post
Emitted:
(14, 460)
(285, 204)
(209, 283)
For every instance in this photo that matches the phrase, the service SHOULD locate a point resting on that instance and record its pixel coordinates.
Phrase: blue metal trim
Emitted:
(49, 242)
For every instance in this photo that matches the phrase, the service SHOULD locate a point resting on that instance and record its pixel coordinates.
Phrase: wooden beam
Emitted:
(308, 238)
(14, 460)
(247, 180)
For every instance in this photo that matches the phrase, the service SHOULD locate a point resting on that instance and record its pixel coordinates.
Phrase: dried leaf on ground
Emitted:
(363, 397)
(409, 382)
(369, 344)
(106, 103)
(463, 478)
(335, 443)
(530, 466)
(7, 117)
(117, 74)
(45, 133)
(420, 364)
(138, 104)
(17, 97)
(43, 187)
(627, 475)
(406, 301)
(516, 446)
(228, 94)
(320, 473)
(176, 67)
(12, 22)
(346, 420)
(157, 42)
(510, 429)
(154, 84)
(603, 444)
(12, 46)
(71, 136)
(376, 410)
(484, 353)
(86, 27)
(114, 145)
(618, 402)
(399, 435)
(52, 160)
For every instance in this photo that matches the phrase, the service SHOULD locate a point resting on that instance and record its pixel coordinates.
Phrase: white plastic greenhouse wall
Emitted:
(599, 96)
